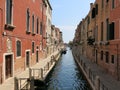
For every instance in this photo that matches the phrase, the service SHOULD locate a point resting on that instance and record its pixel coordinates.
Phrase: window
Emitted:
(18, 44)
(37, 26)
(33, 46)
(101, 55)
(102, 5)
(28, 20)
(111, 33)
(33, 24)
(107, 1)
(102, 31)
(41, 28)
(107, 57)
(113, 4)
(112, 59)
(93, 13)
(96, 9)
(107, 28)
(8, 11)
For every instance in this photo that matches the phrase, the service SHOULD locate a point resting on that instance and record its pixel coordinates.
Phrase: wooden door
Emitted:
(8, 66)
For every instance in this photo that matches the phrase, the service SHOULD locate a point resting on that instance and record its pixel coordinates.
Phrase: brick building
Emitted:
(22, 32)
(114, 38)
(103, 45)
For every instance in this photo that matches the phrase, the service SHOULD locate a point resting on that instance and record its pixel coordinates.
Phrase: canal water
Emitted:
(66, 75)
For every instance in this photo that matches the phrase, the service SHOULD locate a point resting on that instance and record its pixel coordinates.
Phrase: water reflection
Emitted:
(66, 75)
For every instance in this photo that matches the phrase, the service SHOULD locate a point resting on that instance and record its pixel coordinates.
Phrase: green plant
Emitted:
(90, 40)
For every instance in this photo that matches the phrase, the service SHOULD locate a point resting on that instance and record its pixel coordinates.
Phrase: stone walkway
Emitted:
(9, 84)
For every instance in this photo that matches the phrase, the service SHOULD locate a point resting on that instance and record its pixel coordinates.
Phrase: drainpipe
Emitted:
(1, 27)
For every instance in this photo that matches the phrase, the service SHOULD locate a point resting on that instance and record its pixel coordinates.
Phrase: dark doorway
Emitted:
(37, 59)
(27, 59)
(8, 66)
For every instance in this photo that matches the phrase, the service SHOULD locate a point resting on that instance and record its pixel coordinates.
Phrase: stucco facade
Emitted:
(21, 40)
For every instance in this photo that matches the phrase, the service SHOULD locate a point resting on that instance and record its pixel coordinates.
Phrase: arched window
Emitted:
(18, 45)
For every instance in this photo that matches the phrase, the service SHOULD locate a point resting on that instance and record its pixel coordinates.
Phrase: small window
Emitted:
(113, 4)
(96, 9)
(107, 57)
(101, 55)
(107, 28)
(102, 31)
(18, 44)
(102, 5)
(112, 59)
(93, 13)
(33, 47)
(111, 33)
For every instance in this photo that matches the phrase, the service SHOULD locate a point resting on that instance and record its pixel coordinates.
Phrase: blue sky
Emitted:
(67, 14)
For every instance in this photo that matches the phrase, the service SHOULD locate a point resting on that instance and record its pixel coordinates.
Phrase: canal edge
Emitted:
(84, 73)
(51, 68)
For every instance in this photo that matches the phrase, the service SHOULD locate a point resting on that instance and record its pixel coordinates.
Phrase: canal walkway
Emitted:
(10, 85)
(98, 78)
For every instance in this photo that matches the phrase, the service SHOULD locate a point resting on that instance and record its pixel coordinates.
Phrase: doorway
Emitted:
(37, 57)
(8, 66)
(27, 59)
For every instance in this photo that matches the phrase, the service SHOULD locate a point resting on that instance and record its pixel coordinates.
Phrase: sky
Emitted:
(67, 14)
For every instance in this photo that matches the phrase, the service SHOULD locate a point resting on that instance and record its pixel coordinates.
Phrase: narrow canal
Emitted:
(66, 75)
